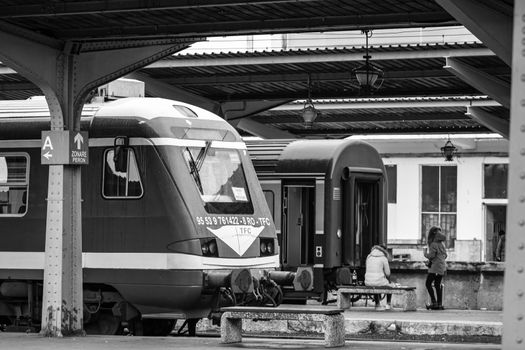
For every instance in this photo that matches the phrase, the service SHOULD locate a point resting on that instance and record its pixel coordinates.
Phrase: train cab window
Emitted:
(219, 177)
(121, 183)
(14, 181)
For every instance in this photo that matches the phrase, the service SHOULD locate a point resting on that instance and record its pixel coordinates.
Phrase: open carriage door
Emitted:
(362, 214)
(298, 224)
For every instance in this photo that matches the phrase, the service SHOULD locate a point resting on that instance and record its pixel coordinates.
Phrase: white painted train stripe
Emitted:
(142, 261)
(134, 141)
(20, 143)
(22, 260)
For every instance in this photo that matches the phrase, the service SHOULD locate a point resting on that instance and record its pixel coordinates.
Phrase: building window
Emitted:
(495, 180)
(391, 174)
(438, 205)
(14, 179)
(121, 175)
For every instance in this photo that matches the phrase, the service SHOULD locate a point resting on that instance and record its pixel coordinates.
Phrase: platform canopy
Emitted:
(425, 88)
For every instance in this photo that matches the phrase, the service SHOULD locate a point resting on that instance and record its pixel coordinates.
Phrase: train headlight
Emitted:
(209, 247)
(267, 246)
(212, 247)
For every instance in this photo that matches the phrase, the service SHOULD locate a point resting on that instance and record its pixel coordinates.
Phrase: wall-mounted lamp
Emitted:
(448, 151)
(367, 75)
(309, 113)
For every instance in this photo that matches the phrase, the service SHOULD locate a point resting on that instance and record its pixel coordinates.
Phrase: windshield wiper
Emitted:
(202, 155)
(195, 170)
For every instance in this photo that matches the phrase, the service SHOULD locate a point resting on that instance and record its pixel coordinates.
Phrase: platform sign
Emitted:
(64, 147)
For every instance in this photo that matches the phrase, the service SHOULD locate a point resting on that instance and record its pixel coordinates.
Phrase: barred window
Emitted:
(438, 202)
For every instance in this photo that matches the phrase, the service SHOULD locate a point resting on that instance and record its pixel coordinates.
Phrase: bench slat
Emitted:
(382, 287)
(323, 310)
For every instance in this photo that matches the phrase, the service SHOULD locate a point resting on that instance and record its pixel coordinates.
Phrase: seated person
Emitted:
(378, 274)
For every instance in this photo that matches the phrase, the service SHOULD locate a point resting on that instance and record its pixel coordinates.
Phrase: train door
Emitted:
(298, 224)
(362, 215)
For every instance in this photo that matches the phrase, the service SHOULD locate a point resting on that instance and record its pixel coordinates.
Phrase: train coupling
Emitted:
(301, 280)
(240, 281)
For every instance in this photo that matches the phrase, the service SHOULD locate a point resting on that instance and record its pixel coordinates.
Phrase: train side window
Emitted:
(391, 173)
(121, 181)
(270, 199)
(14, 183)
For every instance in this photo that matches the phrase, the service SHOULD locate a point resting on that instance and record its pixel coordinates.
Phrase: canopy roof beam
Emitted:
(486, 83)
(493, 28)
(489, 120)
(235, 110)
(401, 54)
(157, 88)
(379, 104)
(265, 131)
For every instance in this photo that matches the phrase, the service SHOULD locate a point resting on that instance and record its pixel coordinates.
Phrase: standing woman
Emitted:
(436, 255)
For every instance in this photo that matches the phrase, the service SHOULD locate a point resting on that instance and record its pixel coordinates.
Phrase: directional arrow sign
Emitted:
(47, 155)
(79, 149)
(55, 147)
(79, 140)
(64, 147)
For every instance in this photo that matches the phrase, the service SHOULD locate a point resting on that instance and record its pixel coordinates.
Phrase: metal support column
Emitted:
(67, 72)
(62, 304)
(514, 280)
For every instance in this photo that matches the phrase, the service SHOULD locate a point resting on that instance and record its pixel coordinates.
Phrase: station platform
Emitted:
(21, 341)
(365, 329)
(367, 323)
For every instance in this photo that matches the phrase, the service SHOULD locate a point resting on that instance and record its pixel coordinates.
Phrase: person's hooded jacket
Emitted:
(377, 268)
(437, 255)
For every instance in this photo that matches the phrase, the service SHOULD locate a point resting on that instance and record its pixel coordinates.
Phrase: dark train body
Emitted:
(328, 200)
(174, 219)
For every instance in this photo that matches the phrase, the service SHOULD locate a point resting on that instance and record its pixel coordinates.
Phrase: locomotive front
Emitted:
(221, 226)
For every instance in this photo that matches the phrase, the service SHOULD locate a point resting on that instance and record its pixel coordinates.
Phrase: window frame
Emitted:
(483, 182)
(127, 149)
(394, 191)
(451, 241)
(272, 207)
(223, 208)
(24, 183)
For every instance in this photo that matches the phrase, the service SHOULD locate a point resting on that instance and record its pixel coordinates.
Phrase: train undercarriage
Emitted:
(107, 312)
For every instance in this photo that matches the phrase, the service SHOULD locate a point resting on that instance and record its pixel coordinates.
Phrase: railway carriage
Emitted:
(174, 220)
(328, 199)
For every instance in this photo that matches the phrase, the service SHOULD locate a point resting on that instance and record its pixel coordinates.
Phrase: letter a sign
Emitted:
(64, 147)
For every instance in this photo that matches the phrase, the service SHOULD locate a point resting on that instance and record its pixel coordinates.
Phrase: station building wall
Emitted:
(405, 219)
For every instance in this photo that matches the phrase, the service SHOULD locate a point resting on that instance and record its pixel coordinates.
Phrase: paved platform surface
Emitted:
(420, 329)
(366, 321)
(20, 341)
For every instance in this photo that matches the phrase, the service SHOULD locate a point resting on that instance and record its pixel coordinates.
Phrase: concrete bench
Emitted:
(332, 319)
(344, 295)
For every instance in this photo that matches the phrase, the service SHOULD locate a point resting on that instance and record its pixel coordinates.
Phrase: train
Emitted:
(328, 199)
(175, 224)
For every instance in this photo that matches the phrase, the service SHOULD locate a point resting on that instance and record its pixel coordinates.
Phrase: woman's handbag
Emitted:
(428, 263)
